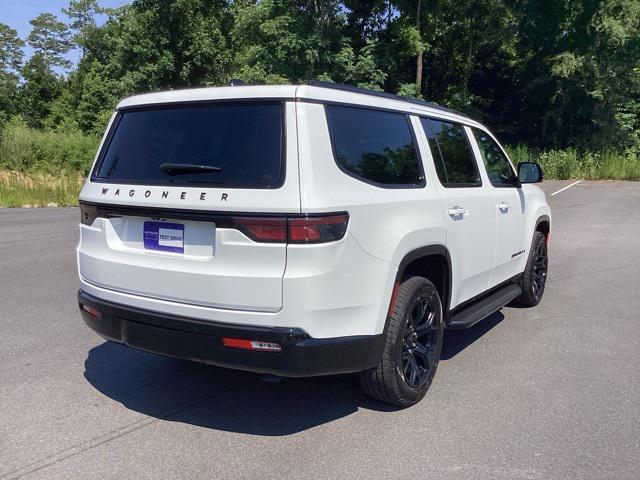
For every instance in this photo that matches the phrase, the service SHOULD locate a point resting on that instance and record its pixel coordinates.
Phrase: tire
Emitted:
(412, 347)
(534, 277)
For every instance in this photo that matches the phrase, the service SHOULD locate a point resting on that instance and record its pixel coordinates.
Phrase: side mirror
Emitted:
(530, 172)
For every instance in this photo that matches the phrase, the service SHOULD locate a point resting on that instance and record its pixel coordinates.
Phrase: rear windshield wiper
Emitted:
(184, 168)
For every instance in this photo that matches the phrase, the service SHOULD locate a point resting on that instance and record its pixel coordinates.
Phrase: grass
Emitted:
(569, 163)
(39, 190)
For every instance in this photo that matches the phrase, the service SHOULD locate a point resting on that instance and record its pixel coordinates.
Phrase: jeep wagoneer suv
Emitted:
(305, 230)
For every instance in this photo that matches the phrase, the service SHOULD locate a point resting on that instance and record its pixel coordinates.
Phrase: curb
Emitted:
(48, 205)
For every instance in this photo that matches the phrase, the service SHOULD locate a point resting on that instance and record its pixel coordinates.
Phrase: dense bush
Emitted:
(569, 163)
(25, 149)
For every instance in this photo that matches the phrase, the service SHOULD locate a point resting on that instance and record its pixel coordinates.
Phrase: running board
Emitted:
(476, 311)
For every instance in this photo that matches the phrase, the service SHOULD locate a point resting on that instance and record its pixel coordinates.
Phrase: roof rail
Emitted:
(366, 91)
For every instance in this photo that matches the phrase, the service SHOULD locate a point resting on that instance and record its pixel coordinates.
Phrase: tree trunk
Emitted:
(419, 59)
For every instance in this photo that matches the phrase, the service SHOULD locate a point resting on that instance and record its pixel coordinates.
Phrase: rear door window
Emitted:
(230, 145)
(452, 154)
(375, 146)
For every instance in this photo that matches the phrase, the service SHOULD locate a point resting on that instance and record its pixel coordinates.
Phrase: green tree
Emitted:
(40, 88)
(601, 68)
(281, 41)
(10, 62)
(360, 69)
(10, 49)
(51, 39)
(82, 15)
(159, 44)
(415, 11)
(97, 99)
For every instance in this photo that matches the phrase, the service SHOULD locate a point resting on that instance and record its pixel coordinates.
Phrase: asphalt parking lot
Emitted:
(551, 392)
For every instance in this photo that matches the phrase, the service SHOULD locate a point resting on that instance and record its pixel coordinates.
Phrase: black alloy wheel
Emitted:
(534, 277)
(412, 347)
(419, 348)
(540, 267)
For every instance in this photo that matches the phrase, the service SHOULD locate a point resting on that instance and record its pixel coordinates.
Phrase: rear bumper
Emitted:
(201, 341)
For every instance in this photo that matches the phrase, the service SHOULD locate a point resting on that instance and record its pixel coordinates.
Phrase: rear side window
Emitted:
(230, 145)
(374, 146)
(496, 163)
(452, 154)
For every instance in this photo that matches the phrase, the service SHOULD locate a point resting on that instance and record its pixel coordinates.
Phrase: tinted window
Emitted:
(496, 163)
(375, 146)
(452, 154)
(244, 141)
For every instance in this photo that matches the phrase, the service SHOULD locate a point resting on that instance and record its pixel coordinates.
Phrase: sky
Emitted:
(17, 13)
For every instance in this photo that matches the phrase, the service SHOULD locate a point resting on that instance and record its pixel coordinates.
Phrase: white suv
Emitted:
(305, 230)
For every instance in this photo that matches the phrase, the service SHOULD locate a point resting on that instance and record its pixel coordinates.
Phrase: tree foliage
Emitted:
(82, 18)
(10, 49)
(40, 89)
(50, 38)
(550, 74)
(10, 63)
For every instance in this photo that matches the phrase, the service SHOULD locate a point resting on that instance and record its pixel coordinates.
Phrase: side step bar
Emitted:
(473, 313)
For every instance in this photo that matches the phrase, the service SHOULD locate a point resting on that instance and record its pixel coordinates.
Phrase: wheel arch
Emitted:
(543, 225)
(432, 262)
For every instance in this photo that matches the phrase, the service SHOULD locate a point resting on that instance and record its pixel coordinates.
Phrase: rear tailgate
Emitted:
(177, 233)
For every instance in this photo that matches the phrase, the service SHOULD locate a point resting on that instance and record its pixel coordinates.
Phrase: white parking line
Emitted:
(564, 188)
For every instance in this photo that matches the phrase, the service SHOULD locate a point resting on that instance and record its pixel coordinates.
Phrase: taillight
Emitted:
(318, 229)
(259, 229)
(88, 213)
(293, 229)
(270, 228)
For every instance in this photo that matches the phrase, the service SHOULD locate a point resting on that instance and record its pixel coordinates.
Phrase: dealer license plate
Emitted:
(165, 237)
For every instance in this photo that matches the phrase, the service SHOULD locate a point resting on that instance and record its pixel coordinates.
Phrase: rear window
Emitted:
(231, 145)
(375, 146)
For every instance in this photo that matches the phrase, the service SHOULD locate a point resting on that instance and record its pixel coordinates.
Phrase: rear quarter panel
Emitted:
(386, 223)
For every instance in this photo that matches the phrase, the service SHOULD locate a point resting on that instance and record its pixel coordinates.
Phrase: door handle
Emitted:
(457, 211)
(503, 206)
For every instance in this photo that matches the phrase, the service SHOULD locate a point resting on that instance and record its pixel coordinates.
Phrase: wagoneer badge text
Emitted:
(164, 194)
